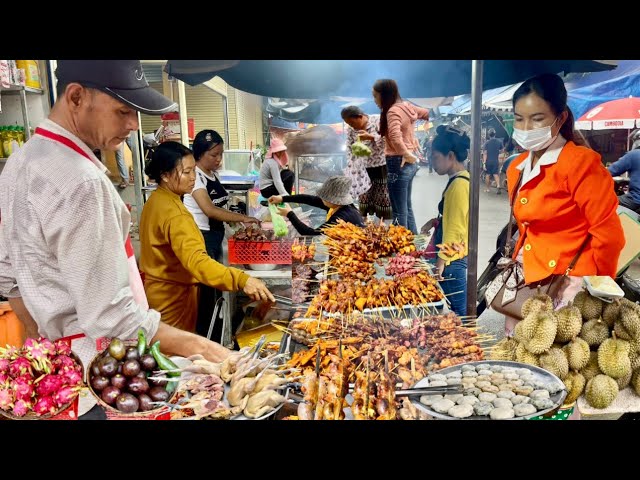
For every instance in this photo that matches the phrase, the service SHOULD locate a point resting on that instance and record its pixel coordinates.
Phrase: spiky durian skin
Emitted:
(575, 384)
(556, 362)
(613, 358)
(577, 352)
(601, 391)
(594, 332)
(569, 324)
(591, 369)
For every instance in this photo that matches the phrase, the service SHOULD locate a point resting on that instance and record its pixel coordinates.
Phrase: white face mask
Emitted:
(536, 139)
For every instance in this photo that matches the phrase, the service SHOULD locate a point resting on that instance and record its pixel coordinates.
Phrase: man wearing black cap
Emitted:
(66, 261)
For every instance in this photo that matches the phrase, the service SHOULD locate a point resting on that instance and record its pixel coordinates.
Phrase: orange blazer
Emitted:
(556, 210)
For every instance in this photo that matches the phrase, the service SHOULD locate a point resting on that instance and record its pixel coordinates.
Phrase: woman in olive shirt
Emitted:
(173, 255)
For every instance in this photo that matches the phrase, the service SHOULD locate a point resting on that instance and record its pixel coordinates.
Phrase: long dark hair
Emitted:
(389, 94)
(551, 89)
(205, 141)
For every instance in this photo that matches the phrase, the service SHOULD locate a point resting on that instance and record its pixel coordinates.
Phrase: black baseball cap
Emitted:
(124, 80)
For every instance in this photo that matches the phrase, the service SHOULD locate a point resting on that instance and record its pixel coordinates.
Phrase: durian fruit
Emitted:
(630, 319)
(524, 356)
(505, 349)
(569, 323)
(577, 352)
(621, 331)
(592, 308)
(517, 332)
(635, 381)
(556, 362)
(629, 303)
(634, 353)
(575, 383)
(539, 331)
(592, 369)
(579, 299)
(594, 332)
(610, 313)
(601, 391)
(613, 357)
(623, 382)
(539, 302)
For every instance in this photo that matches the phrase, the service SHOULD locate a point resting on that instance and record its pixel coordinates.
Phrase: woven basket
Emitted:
(33, 416)
(112, 411)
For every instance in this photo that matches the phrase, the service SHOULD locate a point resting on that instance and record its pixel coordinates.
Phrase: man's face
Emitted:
(103, 121)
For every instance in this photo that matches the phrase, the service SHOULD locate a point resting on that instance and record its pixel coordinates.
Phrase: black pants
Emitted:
(287, 177)
(208, 295)
(627, 202)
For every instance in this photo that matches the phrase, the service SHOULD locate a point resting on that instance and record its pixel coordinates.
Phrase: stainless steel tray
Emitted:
(539, 374)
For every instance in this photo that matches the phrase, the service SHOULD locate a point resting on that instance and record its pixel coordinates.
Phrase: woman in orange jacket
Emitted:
(562, 193)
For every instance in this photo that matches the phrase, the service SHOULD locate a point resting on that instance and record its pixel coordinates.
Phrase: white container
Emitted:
(603, 287)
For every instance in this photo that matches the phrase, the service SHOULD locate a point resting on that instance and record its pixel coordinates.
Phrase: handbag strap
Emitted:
(577, 257)
(507, 245)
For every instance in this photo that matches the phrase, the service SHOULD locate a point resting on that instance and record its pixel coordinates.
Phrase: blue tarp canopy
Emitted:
(587, 91)
(317, 79)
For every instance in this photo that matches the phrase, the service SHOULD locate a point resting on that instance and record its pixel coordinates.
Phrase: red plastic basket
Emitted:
(275, 252)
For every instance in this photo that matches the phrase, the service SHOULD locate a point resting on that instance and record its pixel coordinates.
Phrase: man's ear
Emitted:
(75, 94)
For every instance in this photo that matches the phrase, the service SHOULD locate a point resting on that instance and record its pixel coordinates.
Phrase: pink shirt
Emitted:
(401, 119)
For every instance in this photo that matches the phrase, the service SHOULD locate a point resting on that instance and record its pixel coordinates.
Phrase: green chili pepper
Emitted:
(142, 343)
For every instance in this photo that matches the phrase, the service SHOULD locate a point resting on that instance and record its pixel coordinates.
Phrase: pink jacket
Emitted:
(401, 119)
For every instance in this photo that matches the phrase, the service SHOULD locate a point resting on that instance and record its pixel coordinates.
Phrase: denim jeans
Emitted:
(122, 165)
(455, 275)
(400, 181)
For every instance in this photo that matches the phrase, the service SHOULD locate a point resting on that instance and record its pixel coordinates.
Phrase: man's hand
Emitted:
(214, 352)
(284, 211)
(257, 290)
(363, 135)
(408, 158)
(275, 199)
(426, 228)
(251, 220)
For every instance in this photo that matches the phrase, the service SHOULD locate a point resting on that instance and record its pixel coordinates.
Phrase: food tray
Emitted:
(599, 292)
(539, 374)
(244, 252)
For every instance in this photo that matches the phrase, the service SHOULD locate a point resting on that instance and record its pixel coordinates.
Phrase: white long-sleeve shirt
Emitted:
(62, 233)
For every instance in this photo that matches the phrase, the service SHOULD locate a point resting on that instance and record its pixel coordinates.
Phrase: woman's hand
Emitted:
(439, 269)
(284, 211)
(408, 158)
(363, 135)
(426, 228)
(257, 290)
(251, 220)
(275, 199)
(214, 352)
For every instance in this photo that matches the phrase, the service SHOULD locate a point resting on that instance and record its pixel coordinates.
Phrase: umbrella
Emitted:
(623, 113)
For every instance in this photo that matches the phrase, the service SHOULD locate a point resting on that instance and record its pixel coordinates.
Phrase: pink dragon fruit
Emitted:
(47, 346)
(38, 355)
(72, 377)
(62, 347)
(23, 388)
(65, 395)
(21, 408)
(64, 363)
(4, 365)
(49, 384)
(4, 379)
(45, 405)
(6, 398)
(10, 353)
(20, 366)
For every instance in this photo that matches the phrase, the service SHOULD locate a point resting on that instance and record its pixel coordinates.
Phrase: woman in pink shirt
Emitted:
(397, 125)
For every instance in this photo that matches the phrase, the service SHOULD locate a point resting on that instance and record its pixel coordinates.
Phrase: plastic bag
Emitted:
(279, 225)
(359, 149)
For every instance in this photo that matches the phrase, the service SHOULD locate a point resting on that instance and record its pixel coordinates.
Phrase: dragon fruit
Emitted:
(6, 398)
(72, 377)
(62, 347)
(48, 346)
(23, 388)
(65, 395)
(38, 355)
(21, 408)
(10, 353)
(49, 384)
(64, 363)
(4, 365)
(4, 379)
(20, 366)
(45, 405)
